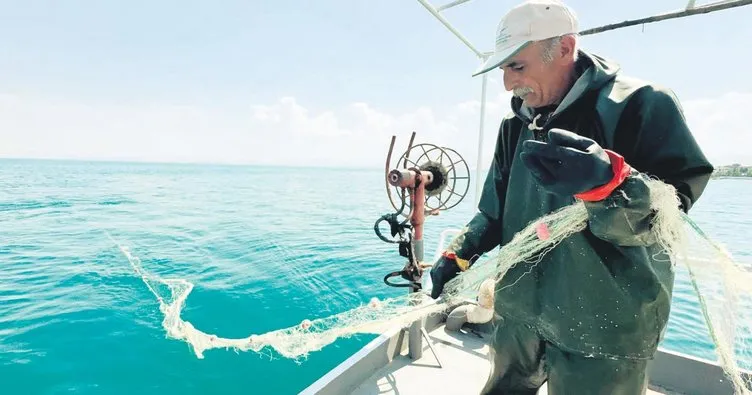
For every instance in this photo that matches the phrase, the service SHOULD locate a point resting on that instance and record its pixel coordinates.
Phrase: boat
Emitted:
(427, 358)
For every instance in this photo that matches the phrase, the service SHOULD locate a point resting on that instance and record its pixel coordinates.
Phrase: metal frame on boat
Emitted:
(669, 372)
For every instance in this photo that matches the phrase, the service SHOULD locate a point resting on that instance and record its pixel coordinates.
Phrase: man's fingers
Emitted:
(565, 138)
(541, 149)
(436, 290)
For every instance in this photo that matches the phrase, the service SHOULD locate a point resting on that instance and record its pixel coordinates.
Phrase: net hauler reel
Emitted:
(426, 179)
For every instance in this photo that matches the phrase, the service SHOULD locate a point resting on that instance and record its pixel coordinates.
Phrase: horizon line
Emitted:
(234, 164)
(188, 163)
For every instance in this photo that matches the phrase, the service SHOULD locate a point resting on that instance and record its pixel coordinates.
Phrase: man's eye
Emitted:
(518, 67)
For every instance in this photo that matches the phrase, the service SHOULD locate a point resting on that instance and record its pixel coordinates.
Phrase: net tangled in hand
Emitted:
(723, 287)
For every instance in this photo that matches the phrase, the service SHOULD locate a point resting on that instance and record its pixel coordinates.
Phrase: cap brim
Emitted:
(499, 58)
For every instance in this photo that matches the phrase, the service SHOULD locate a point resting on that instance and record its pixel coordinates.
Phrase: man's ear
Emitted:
(567, 47)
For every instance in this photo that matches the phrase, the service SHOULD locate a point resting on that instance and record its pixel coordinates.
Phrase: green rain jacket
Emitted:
(605, 291)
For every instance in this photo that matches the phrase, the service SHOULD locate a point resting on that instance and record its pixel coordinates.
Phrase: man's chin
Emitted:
(527, 102)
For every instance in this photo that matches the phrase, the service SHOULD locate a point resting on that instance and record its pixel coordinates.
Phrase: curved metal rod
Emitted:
(409, 148)
(704, 9)
(386, 176)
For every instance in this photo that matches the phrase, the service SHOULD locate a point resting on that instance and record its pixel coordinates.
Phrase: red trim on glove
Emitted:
(450, 255)
(621, 171)
(463, 264)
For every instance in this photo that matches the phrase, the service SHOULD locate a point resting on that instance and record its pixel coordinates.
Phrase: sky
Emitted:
(324, 82)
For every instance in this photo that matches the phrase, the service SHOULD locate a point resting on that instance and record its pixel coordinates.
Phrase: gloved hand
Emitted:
(445, 269)
(568, 164)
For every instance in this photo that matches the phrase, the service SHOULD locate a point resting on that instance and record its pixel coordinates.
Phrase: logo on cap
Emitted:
(502, 36)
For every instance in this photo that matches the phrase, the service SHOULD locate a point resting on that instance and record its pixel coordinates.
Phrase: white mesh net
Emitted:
(723, 288)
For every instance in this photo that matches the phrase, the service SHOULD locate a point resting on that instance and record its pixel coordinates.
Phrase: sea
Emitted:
(265, 247)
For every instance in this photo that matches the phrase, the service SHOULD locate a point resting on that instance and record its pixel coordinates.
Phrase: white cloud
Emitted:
(286, 132)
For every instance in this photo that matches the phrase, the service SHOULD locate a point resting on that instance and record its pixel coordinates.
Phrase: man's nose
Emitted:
(509, 80)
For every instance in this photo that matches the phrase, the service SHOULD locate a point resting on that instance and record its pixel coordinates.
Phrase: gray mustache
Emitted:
(519, 92)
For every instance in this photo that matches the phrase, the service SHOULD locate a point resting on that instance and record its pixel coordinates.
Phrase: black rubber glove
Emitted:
(442, 271)
(568, 164)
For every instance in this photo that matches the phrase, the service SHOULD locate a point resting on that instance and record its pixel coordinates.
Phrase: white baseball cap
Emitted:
(530, 21)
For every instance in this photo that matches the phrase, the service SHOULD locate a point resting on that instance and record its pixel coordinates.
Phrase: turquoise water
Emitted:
(265, 247)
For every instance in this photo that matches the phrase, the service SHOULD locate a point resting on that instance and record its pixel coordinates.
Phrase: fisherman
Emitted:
(587, 318)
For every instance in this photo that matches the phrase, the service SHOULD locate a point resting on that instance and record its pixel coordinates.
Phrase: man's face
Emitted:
(530, 78)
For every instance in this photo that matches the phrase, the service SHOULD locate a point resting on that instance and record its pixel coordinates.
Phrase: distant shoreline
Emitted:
(735, 170)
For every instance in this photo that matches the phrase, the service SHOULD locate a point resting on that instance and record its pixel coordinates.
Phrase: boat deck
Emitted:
(464, 357)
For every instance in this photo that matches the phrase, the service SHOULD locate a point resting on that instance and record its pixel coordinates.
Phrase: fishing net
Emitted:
(722, 286)
(724, 290)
